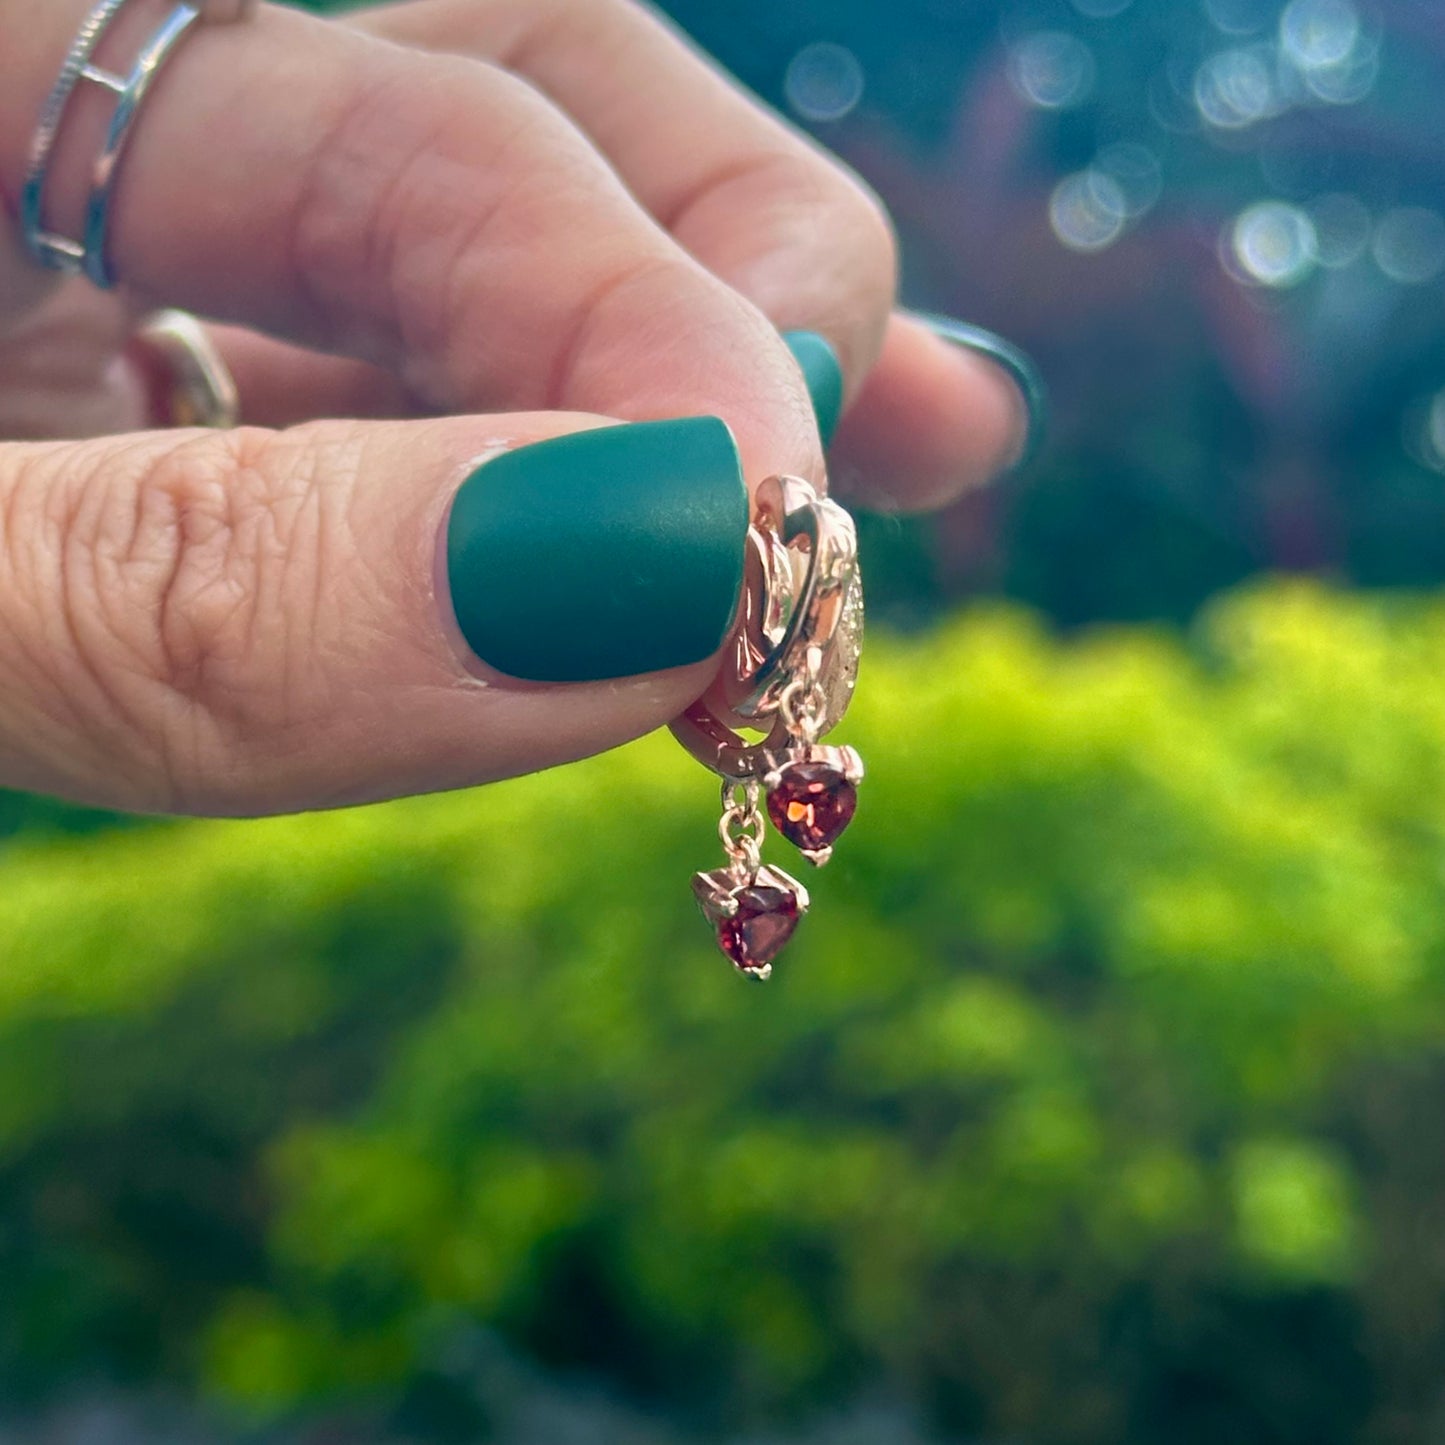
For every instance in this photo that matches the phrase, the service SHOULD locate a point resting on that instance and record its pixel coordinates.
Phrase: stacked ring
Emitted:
(87, 255)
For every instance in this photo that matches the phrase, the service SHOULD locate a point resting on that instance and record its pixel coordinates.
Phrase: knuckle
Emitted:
(860, 217)
(173, 628)
(597, 340)
(363, 179)
(803, 200)
(186, 577)
(192, 558)
(396, 219)
(875, 226)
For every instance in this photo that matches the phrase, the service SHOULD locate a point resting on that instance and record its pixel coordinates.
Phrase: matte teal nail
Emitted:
(824, 376)
(602, 554)
(1016, 362)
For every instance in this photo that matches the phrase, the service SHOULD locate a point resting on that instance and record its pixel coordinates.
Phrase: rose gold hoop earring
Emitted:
(790, 667)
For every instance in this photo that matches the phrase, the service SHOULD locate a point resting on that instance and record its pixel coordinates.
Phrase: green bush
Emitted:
(1096, 1100)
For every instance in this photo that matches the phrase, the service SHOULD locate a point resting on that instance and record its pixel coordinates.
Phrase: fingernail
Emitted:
(606, 553)
(824, 376)
(1025, 374)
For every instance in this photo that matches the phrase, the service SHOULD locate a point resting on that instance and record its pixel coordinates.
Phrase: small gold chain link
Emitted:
(741, 828)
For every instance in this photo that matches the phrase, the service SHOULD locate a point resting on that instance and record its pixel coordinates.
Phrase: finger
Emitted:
(253, 621)
(282, 385)
(752, 198)
(59, 372)
(436, 217)
(756, 202)
(23, 286)
(909, 442)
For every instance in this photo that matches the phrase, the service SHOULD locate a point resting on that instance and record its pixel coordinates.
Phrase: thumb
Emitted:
(253, 621)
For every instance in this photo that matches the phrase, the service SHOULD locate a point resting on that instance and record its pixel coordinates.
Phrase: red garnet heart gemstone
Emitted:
(753, 917)
(811, 803)
(755, 935)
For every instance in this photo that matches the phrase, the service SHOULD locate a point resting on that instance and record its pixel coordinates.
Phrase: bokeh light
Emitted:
(1052, 69)
(1320, 55)
(1351, 80)
(823, 82)
(1272, 243)
(1409, 245)
(1237, 87)
(1319, 33)
(1328, 52)
(1342, 225)
(1135, 169)
(1435, 432)
(1088, 210)
(1424, 432)
(1240, 17)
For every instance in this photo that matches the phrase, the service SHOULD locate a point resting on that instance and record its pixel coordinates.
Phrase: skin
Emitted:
(459, 225)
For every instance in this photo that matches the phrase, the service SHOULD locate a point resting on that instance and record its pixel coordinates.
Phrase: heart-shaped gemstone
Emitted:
(812, 799)
(756, 934)
(754, 916)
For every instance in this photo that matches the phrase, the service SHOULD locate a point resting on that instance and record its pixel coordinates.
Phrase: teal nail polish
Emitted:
(602, 554)
(1020, 367)
(824, 376)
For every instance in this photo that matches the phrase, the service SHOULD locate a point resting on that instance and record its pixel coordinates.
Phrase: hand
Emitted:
(471, 225)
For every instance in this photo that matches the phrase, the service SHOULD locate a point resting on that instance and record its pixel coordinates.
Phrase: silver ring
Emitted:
(88, 256)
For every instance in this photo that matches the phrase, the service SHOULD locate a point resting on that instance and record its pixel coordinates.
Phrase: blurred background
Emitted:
(1098, 1100)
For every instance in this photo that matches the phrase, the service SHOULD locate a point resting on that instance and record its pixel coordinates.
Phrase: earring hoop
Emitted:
(791, 663)
(795, 598)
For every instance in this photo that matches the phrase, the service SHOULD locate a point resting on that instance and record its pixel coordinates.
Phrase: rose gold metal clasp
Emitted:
(799, 630)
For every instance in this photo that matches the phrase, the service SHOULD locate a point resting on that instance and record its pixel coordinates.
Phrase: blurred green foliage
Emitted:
(1095, 1102)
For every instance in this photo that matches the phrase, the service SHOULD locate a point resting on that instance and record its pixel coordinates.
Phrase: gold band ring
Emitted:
(190, 383)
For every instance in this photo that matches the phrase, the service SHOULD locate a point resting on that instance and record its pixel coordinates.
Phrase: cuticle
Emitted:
(477, 671)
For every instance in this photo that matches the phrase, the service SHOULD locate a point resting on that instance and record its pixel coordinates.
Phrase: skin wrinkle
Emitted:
(232, 613)
(577, 338)
(537, 35)
(313, 182)
(387, 161)
(287, 568)
(407, 205)
(75, 504)
(97, 650)
(149, 498)
(317, 223)
(325, 518)
(26, 492)
(147, 637)
(466, 362)
(743, 168)
(793, 196)
(196, 518)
